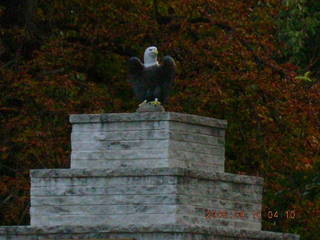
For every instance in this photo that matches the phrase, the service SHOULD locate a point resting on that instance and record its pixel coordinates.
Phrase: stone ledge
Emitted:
(165, 228)
(121, 172)
(148, 116)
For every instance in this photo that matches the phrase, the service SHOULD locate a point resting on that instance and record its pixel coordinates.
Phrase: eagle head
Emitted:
(150, 56)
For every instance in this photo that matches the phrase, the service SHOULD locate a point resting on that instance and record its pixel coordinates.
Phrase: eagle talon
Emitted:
(144, 102)
(155, 102)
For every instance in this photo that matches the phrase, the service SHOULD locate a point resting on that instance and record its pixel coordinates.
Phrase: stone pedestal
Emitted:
(147, 140)
(144, 176)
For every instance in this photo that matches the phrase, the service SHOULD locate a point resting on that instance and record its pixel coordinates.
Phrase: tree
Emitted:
(299, 24)
(73, 60)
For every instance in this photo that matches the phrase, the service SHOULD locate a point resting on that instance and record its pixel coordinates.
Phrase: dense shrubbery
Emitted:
(63, 57)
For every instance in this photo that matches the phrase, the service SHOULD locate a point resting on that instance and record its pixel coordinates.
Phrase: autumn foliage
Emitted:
(60, 57)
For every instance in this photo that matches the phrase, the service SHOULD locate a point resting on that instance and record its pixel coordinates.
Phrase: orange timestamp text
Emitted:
(212, 213)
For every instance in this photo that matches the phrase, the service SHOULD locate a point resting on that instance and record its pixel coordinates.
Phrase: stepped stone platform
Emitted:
(144, 176)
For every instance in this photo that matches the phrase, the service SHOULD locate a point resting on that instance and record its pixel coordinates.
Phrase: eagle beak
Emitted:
(156, 51)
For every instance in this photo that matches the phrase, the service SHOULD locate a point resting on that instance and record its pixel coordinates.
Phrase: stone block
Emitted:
(156, 139)
(147, 195)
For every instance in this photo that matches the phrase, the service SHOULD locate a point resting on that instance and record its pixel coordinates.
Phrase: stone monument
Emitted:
(144, 176)
(149, 175)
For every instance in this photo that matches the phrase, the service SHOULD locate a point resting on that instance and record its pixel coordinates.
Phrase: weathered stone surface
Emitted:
(97, 127)
(120, 145)
(149, 116)
(155, 232)
(167, 199)
(194, 173)
(112, 219)
(111, 163)
(92, 190)
(116, 136)
(104, 181)
(120, 154)
(174, 139)
(149, 196)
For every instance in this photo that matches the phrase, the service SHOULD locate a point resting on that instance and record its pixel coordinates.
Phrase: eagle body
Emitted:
(151, 80)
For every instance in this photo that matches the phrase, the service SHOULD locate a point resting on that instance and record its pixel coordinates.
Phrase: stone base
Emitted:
(150, 197)
(163, 232)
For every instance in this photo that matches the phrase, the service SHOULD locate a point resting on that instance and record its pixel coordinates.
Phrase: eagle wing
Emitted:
(136, 78)
(167, 74)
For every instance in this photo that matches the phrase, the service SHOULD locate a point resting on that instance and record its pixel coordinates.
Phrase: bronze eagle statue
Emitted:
(150, 80)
